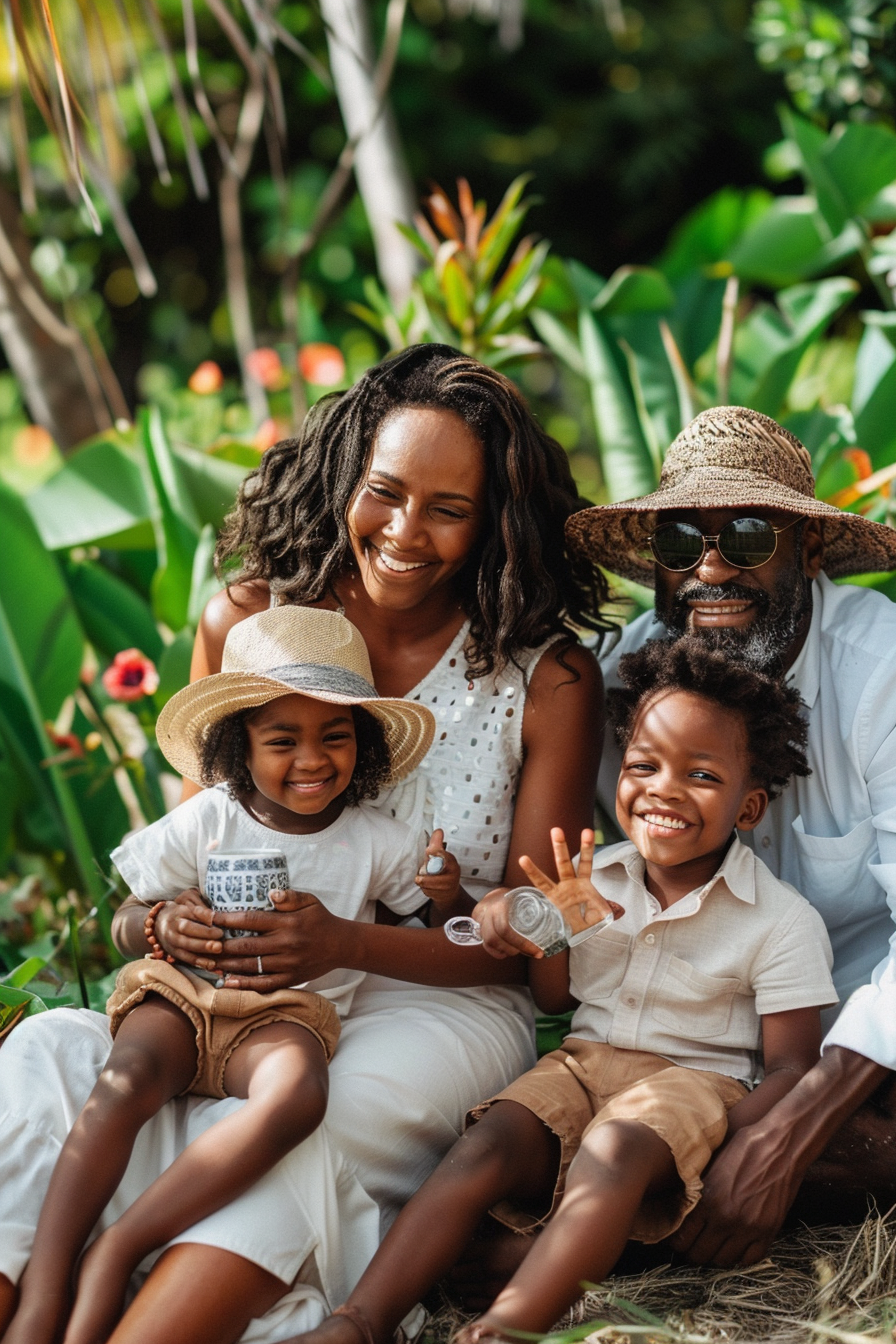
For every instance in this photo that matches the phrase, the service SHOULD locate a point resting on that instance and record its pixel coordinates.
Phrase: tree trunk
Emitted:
(382, 175)
(57, 380)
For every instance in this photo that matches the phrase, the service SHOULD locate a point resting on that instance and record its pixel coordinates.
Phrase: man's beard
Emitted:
(764, 642)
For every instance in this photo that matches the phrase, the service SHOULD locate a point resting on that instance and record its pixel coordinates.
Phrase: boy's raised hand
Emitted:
(573, 893)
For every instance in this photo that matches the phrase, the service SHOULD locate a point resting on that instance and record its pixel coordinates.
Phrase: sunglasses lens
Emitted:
(747, 543)
(677, 546)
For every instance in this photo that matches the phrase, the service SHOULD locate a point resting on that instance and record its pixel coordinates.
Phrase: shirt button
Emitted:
(766, 841)
(650, 938)
(631, 1001)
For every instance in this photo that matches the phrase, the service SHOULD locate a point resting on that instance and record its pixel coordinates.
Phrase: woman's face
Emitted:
(419, 510)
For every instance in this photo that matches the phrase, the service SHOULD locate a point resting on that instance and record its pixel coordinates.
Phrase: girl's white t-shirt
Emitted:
(365, 856)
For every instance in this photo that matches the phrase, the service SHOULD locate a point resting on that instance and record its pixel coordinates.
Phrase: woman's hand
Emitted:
(189, 930)
(442, 885)
(297, 941)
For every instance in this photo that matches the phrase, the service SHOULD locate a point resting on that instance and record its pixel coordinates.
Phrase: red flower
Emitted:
(266, 367)
(268, 433)
(131, 676)
(205, 378)
(321, 364)
(67, 742)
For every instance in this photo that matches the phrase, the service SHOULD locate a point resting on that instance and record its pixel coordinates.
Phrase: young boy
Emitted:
(712, 959)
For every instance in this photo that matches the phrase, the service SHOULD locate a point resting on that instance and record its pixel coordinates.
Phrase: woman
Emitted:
(429, 506)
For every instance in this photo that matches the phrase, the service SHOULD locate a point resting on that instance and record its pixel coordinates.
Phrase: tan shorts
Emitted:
(222, 1017)
(585, 1083)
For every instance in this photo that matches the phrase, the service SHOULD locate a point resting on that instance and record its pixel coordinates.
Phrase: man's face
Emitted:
(760, 615)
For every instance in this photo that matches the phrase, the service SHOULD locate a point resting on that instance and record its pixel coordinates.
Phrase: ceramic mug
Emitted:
(243, 880)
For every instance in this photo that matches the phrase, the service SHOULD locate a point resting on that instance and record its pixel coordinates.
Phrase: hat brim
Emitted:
(615, 536)
(190, 713)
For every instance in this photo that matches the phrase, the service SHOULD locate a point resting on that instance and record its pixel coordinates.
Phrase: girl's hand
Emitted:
(186, 928)
(443, 887)
(297, 941)
(575, 894)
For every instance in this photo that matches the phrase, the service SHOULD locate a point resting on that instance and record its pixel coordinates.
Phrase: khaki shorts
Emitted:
(586, 1083)
(222, 1017)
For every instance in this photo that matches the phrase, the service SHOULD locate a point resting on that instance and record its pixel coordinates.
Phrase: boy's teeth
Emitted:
(672, 823)
(400, 566)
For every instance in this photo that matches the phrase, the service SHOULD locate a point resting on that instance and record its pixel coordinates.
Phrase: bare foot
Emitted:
(103, 1277)
(483, 1329)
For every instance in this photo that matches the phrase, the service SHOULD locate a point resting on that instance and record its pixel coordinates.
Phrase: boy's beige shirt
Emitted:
(690, 983)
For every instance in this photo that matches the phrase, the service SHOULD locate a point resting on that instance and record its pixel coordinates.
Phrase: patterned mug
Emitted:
(243, 880)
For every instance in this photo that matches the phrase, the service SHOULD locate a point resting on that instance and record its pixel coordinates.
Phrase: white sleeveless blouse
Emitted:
(467, 782)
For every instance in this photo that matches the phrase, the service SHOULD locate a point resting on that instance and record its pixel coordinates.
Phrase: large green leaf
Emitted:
(770, 344)
(176, 525)
(634, 289)
(786, 245)
(845, 169)
(704, 239)
(98, 498)
(113, 615)
(626, 461)
(874, 396)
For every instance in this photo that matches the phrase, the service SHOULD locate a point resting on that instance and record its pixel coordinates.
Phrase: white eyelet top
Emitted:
(467, 782)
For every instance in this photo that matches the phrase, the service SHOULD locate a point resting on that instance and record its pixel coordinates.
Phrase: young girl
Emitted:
(294, 736)
(712, 960)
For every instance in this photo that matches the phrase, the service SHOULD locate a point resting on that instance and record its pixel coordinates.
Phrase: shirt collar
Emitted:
(805, 672)
(737, 871)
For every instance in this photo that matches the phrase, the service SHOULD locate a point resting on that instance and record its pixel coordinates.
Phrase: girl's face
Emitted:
(302, 754)
(419, 509)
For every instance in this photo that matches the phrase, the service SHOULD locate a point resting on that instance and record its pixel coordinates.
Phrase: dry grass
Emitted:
(817, 1285)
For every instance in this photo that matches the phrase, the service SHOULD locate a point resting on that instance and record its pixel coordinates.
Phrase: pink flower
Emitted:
(205, 378)
(130, 676)
(321, 364)
(266, 367)
(268, 433)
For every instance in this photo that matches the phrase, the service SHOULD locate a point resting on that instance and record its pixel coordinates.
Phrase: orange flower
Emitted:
(321, 364)
(206, 377)
(131, 676)
(266, 367)
(32, 445)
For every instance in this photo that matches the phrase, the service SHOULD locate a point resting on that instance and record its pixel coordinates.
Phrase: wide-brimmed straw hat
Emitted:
(283, 651)
(730, 458)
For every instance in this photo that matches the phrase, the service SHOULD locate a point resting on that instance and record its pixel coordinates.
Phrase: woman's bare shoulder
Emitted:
(222, 612)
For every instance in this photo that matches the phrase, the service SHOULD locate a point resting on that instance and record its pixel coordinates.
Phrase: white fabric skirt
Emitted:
(411, 1061)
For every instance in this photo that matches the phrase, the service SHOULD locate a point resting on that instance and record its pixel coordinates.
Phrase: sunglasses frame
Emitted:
(679, 522)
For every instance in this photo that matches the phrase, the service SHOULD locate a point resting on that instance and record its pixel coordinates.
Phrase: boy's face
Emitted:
(302, 753)
(685, 782)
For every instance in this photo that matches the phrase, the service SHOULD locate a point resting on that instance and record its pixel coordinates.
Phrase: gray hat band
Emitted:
(323, 677)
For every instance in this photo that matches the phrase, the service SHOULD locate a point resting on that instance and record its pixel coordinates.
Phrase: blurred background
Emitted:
(212, 212)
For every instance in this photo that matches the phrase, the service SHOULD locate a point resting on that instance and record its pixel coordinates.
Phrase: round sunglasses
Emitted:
(744, 543)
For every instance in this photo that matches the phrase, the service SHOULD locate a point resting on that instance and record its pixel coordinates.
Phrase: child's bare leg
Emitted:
(9, 1297)
(509, 1153)
(281, 1069)
(618, 1164)
(198, 1295)
(153, 1058)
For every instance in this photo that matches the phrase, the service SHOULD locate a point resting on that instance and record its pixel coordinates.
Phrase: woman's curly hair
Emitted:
(519, 585)
(224, 754)
(770, 710)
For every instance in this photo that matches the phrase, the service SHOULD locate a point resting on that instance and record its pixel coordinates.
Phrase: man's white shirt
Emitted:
(832, 835)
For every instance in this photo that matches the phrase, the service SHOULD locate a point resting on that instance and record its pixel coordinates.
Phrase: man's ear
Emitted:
(752, 810)
(813, 548)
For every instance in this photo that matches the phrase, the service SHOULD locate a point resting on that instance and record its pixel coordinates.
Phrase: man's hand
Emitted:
(186, 929)
(748, 1189)
(574, 894)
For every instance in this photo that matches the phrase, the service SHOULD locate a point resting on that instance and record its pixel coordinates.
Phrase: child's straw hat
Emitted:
(283, 651)
(730, 457)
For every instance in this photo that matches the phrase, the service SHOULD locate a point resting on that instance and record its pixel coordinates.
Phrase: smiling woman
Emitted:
(428, 505)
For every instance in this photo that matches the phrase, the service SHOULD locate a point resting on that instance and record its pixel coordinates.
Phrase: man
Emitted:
(741, 551)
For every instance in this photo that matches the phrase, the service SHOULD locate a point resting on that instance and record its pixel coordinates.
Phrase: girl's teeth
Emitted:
(671, 823)
(400, 566)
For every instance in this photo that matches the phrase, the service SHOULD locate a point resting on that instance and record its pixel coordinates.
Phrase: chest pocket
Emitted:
(597, 966)
(694, 1005)
(834, 869)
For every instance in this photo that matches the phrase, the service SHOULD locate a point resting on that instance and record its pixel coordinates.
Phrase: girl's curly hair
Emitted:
(224, 753)
(770, 710)
(519, 585)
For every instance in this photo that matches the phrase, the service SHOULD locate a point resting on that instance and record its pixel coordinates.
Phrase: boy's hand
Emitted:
(185, 928)
(575, 894)
(441, 887)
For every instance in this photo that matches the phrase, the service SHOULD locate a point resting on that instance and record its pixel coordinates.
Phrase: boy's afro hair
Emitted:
(770, 710)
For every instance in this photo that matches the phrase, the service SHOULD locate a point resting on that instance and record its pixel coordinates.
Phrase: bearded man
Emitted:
(742, 553)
